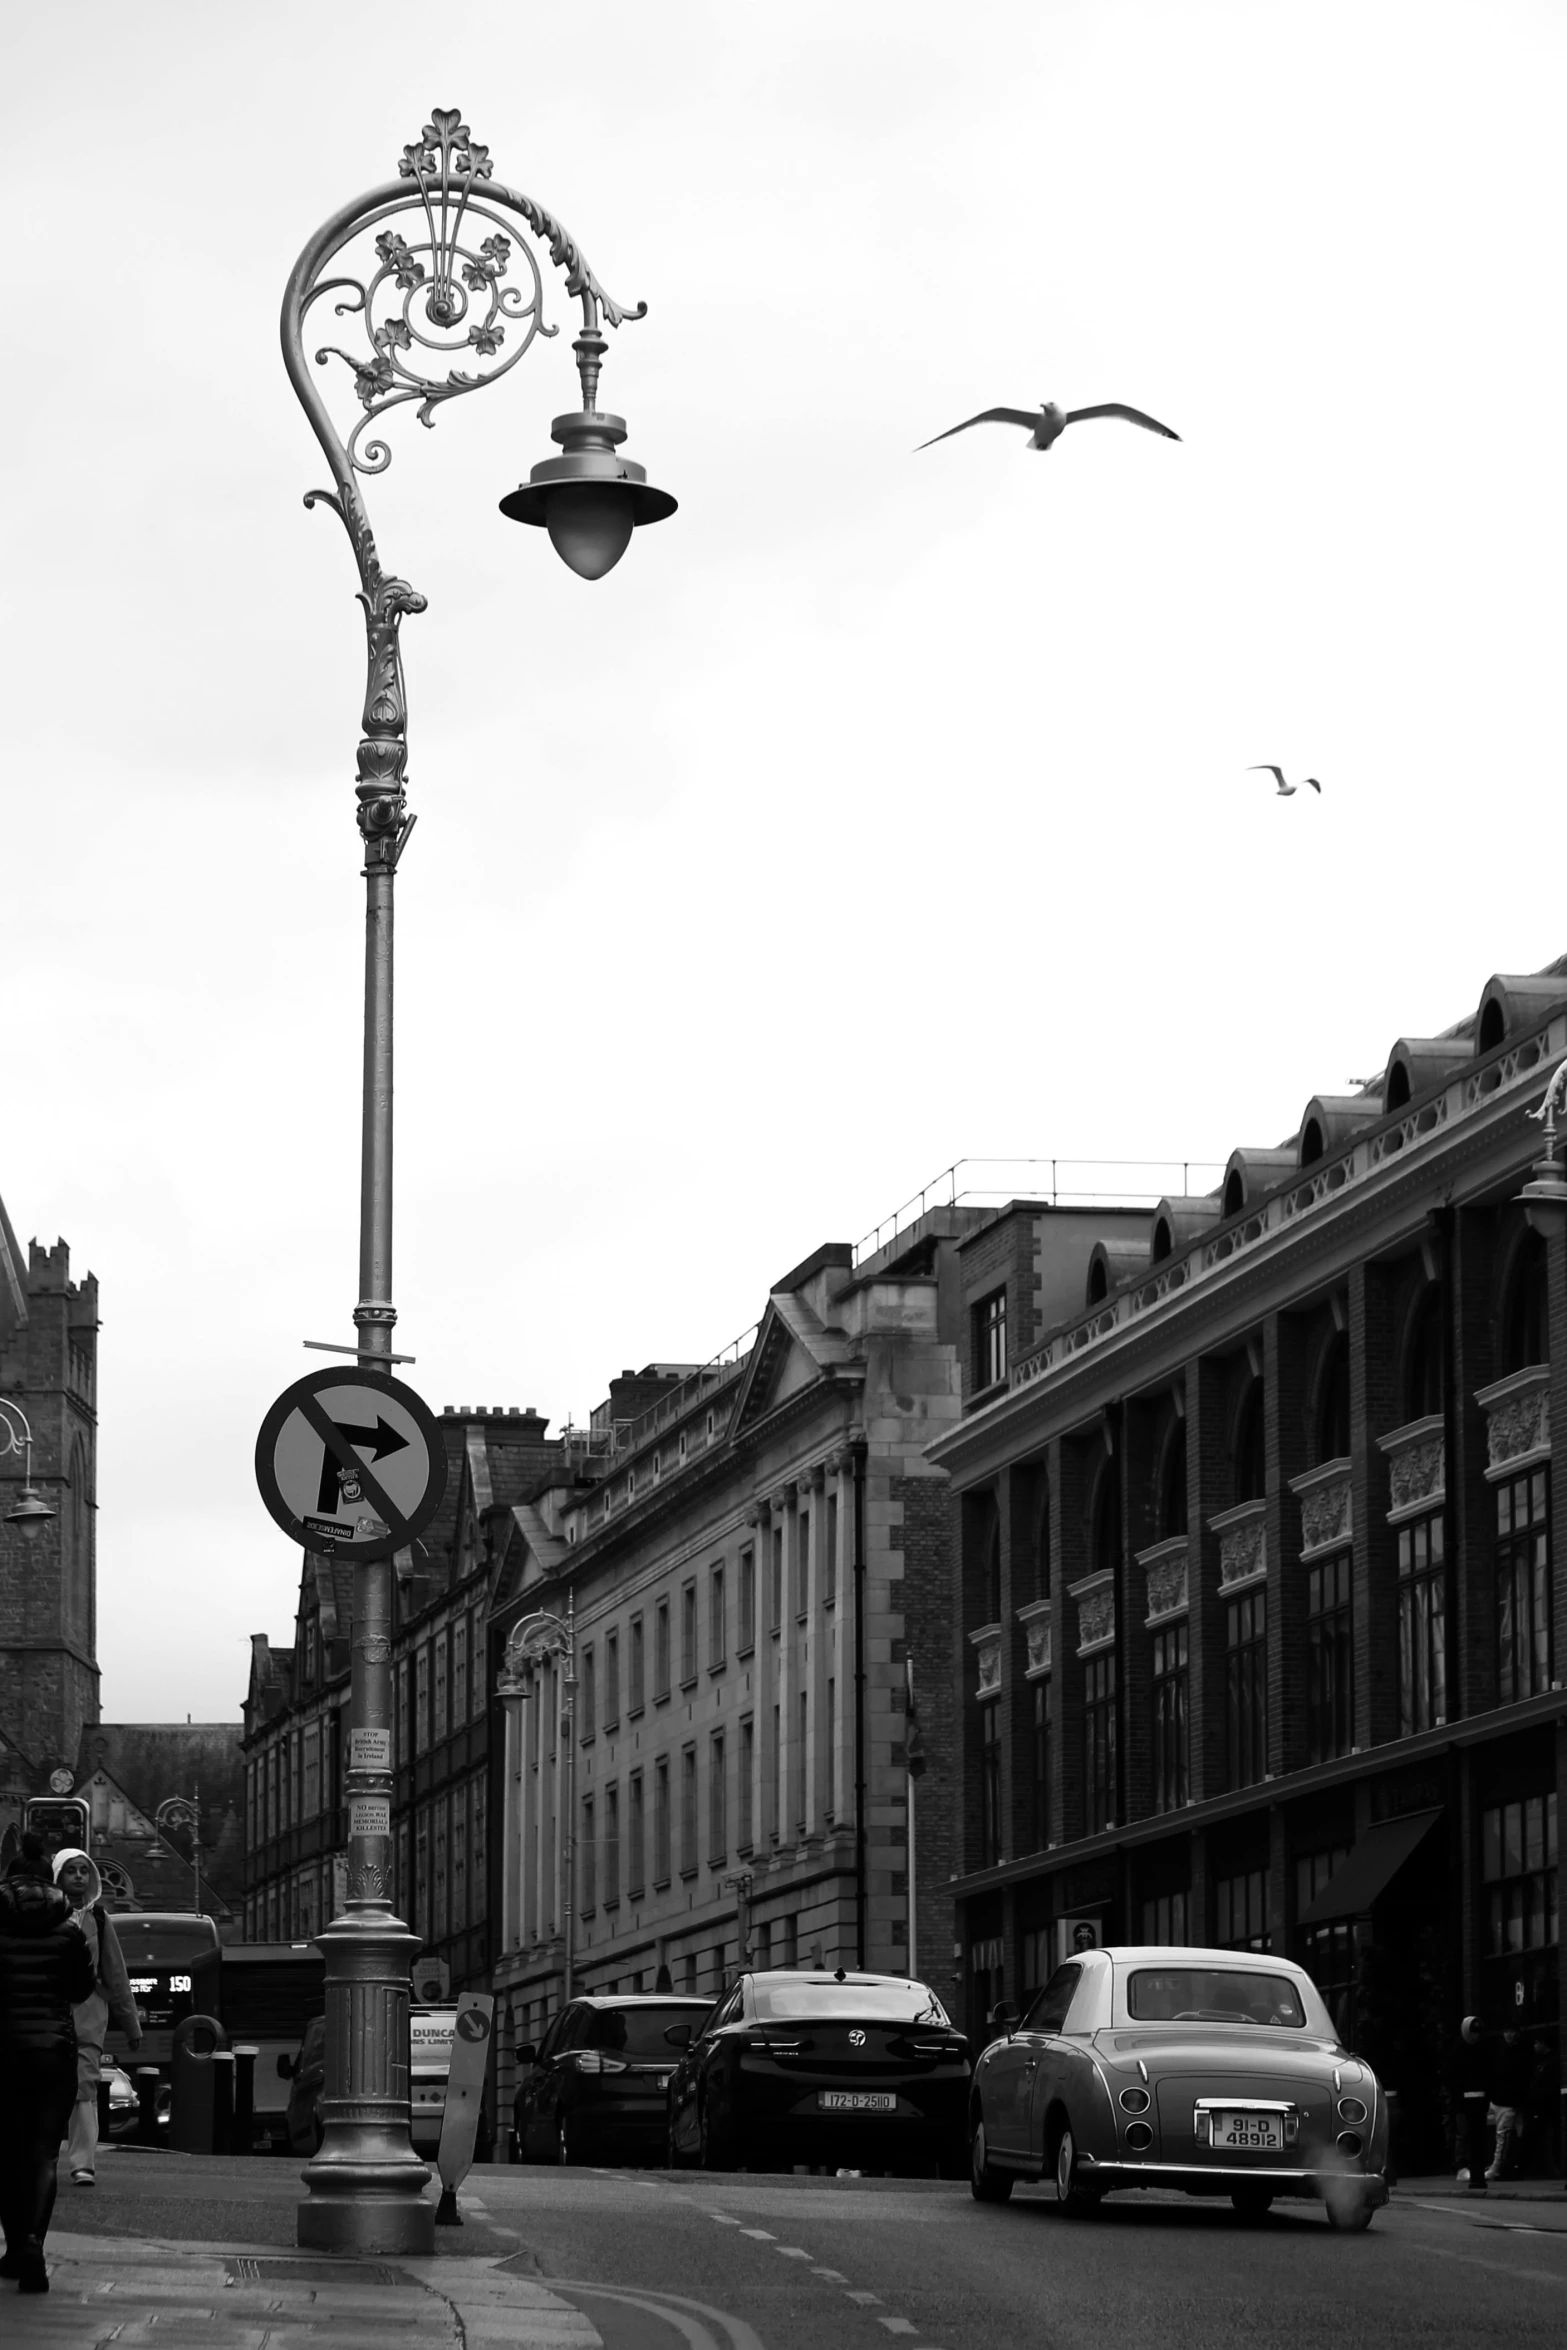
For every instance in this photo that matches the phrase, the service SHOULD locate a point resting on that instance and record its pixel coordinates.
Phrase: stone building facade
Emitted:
(1258, 1611)
(48, 1587)
(755, 1556)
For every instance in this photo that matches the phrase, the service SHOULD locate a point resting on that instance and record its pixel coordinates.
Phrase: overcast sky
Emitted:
(880, 809)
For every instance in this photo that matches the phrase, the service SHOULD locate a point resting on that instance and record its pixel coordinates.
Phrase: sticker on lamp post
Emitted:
(369, 1750)
(370, 1815)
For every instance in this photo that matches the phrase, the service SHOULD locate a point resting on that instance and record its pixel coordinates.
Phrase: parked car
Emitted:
(1215, 2071)
(857, 2071)
(124, 2104)
(593, 2088)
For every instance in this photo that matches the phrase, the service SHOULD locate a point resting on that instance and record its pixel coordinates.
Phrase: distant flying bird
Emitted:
(1047, 424)
(1287, 791)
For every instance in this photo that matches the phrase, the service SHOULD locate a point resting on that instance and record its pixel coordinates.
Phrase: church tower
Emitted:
(48, 1587)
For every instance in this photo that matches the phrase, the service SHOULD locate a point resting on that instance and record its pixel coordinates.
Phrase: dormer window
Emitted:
(682, 1444)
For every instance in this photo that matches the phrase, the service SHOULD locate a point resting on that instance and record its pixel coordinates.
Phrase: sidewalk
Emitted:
(126, 2290)
(1497, 2191)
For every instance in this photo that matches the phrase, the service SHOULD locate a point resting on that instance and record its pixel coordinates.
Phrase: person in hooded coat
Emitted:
(46, 1968)
(110, 2002)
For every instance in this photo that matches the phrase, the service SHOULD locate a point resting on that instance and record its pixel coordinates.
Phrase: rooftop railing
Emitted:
(1062, 1183)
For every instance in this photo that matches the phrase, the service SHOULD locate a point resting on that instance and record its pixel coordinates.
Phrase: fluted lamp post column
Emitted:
(435, 281)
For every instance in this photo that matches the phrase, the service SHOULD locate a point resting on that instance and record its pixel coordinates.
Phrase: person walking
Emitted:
(109, 2002)
(46, 1968)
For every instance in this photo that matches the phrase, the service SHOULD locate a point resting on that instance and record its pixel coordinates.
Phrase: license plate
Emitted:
(856, 2101)
(1251, 2133)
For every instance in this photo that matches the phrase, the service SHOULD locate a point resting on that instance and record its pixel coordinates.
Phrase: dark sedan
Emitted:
(859, 2072)
(593, 2088)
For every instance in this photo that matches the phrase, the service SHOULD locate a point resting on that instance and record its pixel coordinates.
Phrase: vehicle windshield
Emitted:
(795, 1999)
(637, 2031)
(1212, 1995)
(147, 1947)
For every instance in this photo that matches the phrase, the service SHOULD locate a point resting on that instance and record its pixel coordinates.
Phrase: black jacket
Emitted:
(45, 1966)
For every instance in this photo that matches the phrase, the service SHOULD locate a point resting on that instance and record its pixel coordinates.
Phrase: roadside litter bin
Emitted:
(243, 2138)
(192, 2111)
(148, 2082)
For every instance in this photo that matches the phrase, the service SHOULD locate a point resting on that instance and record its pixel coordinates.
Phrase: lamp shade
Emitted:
(590, 499)
(32, 1513)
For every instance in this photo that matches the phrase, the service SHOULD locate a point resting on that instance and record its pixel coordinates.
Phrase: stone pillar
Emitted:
(1208, 1490)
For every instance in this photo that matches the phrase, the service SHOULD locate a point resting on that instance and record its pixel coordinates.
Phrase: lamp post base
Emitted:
(365, 2187)
(363, 2205)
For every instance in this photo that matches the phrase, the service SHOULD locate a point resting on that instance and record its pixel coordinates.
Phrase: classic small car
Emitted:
(856, 2071)
(1214, 2071)
(593, 2088)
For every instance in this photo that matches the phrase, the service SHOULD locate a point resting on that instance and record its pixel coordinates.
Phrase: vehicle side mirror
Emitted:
(1003, 2016)
(526, 2053)
(678, 2035)
(285, 2068)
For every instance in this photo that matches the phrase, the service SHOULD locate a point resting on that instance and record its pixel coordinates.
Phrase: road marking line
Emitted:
(792, 2252)
(723, 2218)
(865, 2300)
(898, 2325)
(833, 2276)
(762, 2235)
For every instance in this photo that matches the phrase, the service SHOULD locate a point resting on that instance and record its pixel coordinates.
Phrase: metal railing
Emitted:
(1088, 1183)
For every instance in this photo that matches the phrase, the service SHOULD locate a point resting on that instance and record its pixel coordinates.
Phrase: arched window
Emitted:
(1172, 1484)
(1250, 1458)
(1397, 1093)
(1098, 1281)
(1163, 1241)
(1332, 1430)
(1493, 1027)
(1525, 1321)
(1425, 1357)
(1311, 1143)
(1234, 1192)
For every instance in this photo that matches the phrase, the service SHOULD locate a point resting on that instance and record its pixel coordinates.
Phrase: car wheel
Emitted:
(1252, 2202)
(985, 2184)
(1072, 2197)
(1349, 2211)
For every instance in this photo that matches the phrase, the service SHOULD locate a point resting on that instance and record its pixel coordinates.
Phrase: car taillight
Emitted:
(780, 2047)
(1134, 2100)
(1350, 2109)
(591, 2061)
(1202, 2126)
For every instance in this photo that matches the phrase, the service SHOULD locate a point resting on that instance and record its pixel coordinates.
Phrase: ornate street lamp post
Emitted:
(445, 301)
(29, 1511)
(183, 1811)
(533, 1639)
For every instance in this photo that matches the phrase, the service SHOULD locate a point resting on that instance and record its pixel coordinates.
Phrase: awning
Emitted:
(1372, 1865)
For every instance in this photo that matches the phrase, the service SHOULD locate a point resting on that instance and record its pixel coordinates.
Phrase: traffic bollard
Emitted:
(147, 2078)
(244, 2132)
(222, 2100)
(1477, 2105)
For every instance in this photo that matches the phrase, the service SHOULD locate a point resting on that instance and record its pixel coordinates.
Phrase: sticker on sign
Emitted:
(370, 1815)
(369, 1750)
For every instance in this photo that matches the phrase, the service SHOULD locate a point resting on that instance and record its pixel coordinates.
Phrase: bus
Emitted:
(268, 1992)
(173, 1960)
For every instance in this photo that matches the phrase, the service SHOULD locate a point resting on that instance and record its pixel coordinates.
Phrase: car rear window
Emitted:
(1212, 1995)
(794, 1999)
(637, 2031)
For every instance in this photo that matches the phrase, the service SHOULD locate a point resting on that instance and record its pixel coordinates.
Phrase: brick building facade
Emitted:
(1258, 1618)
(48, 1587)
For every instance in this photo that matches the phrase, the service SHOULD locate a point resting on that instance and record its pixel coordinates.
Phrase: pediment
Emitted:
(793, 1350)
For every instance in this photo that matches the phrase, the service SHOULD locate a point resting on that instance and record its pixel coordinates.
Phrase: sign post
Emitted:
(351, 1464)
(464, 2099)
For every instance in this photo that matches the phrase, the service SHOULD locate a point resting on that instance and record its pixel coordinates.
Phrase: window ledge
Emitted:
(746, 1648)
(721, 1667)
(688, 1876)
(689, 1680)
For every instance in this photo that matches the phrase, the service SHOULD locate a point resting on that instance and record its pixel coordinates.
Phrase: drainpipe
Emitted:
(858, 1453)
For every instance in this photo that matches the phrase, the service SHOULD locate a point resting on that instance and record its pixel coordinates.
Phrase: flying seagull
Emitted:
(1048, 423)
(1287, 791)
